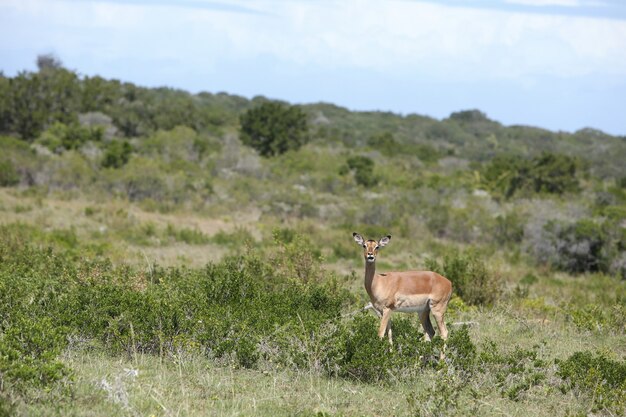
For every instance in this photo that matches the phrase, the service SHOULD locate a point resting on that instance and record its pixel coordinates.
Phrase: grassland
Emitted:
(186, 275)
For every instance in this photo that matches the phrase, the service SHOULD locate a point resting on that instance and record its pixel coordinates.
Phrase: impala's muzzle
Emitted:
(370, 257)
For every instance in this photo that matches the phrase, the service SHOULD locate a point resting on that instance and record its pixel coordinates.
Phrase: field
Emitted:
(155, 262)
(288, 360)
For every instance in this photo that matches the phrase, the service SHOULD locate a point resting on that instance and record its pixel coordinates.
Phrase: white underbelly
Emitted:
(412, 303)
(413, 309)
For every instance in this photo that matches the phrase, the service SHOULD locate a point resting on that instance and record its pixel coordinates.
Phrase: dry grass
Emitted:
(118, 224)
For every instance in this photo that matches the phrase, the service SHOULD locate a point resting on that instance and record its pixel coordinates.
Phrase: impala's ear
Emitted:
(383, 241)
(358, 238)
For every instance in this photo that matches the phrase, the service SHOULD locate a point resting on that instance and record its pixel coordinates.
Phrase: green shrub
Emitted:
(189, 236)
(363, 169)
(471, 279)
(363, 356)
(576, 247)
(442, 396)
(514, 372)
(29, 347)
(366, 357)
(274, 128)
(461, 351)
(238, 238)
(61, 137)
(601, 379)
(297, 258)
(509, 228)
(8, 174)
(593, 317)
(117, 153)
(508, 176)
(384, 143)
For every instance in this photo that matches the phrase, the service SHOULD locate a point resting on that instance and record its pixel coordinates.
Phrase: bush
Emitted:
(602, 379)
(361, 355)
(515, 372)
(575, 247)
(225, 309)
(593, 317)
(363, 169)
(29, 347)
(508, 176)
(117, 154)
(274, 128)
(296, 257)
(61, 137)
(471, 279)
(8, 174)
(189, 236)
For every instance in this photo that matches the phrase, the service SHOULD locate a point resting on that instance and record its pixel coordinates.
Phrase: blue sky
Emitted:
(557, 64)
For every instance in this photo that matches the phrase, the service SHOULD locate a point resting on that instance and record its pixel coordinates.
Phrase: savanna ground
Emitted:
(280, 360)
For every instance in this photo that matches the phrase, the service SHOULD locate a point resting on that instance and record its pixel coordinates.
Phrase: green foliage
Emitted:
(509, 228)
(515, 372)
(8, 173)
(593, 317)
(363, 356)
(471, 279)
(384, 142)
(189, 236)
(117, 154)
(599, 378)
(297, 257)
(226, 308)
(38, 99)
(550, 173)
(363, 169)
(60, 137)
(441, 397)
(274, 128)
(238, 238)
(577, 247)
(29, 347)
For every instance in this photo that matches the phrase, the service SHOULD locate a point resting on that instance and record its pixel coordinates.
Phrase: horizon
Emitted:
(552, 64)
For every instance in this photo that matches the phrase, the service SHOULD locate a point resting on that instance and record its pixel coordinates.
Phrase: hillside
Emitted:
(153, 262)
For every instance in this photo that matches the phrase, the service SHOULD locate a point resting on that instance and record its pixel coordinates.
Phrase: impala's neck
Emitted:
(370, 271)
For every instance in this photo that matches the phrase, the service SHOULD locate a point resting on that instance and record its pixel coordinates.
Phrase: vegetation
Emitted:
(273, 128)
(156, 260)
(547, 173)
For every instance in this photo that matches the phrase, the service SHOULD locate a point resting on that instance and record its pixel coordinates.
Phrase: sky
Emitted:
(555, 64)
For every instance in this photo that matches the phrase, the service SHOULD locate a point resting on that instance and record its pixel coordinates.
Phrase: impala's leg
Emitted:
(441, 324)
(389, 332)
(384, 322)
(429, 332)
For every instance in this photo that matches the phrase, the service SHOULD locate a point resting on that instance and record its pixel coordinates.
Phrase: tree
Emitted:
(274, 128)
(117, 154)
(547, 173)
(48, 62)
(363, 169)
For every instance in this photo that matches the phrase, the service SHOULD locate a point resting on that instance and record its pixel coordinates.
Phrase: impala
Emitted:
(422, 292)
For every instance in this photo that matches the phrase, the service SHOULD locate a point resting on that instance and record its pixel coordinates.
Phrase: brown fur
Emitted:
(423, 292)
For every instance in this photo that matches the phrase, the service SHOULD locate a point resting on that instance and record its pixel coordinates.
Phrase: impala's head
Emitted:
(370, 247)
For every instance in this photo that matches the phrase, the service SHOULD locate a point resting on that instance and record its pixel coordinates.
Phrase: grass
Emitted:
(131, 234)
(196, 386)
(191, 384)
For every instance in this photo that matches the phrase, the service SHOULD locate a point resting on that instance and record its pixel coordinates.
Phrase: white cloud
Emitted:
(407, 38)
(561, 3)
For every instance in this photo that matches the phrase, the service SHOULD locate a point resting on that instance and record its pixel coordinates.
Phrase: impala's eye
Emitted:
(376, 248)
(365, 246)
